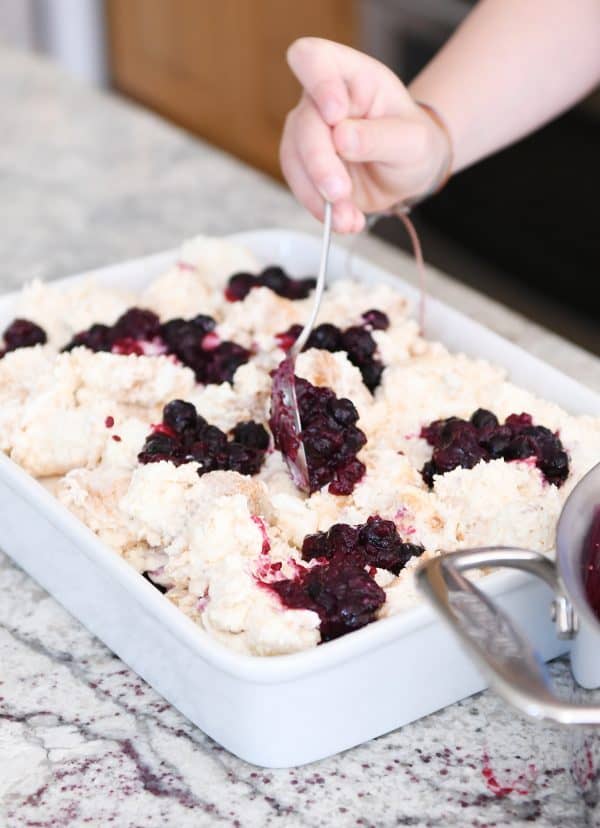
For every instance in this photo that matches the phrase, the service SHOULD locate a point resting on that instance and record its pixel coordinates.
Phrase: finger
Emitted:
(342, 81)
(314, 145)
(398, 141)
(298, 180)
(311, 60)
(347, 218)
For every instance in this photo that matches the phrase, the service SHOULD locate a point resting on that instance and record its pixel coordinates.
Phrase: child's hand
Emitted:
(356, 136)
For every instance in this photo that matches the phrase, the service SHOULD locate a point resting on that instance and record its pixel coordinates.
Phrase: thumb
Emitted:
(398, 140)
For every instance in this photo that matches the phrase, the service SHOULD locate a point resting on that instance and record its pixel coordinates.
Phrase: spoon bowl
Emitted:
(285, 413)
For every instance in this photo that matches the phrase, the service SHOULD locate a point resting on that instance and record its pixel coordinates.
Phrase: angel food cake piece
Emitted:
(150, 415)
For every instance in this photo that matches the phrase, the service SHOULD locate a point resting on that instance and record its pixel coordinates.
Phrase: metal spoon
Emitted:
(285, 414)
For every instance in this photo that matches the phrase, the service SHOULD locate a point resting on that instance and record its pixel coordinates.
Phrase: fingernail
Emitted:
(332, 188)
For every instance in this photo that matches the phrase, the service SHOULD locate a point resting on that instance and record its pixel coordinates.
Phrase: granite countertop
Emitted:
(87, 180)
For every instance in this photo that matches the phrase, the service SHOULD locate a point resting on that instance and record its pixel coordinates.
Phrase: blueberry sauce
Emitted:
(356, 341)
(591, 562)
(344, 596)
(464, 443)
(374, 543)
(330, 437)
(338, 587)
(274, 278)
(193, 341)
(184, 436)
(21, 333)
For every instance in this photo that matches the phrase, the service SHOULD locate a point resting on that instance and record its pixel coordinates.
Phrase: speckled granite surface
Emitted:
(86, 180)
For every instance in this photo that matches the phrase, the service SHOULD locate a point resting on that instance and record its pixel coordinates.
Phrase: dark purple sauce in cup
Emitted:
(591, 563)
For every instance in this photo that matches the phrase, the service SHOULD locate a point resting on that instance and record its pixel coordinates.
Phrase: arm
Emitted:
(512, 66)
(358, 138)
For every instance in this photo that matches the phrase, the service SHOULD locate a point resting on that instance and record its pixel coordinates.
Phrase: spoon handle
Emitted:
(306, 331)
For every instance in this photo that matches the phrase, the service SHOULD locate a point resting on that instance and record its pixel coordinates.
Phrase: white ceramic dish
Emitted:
(285, 710)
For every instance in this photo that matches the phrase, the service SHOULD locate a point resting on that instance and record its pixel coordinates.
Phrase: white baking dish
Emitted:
(286, 710)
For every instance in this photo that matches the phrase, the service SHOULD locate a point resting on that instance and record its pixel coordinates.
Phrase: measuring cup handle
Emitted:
(512, 666)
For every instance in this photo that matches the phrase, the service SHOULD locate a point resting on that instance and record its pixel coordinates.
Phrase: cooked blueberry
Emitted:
(496, 441)
(519, 421)
(458, 443)
(342, 539)
(180, 416)
(483, 419)
(383, 547)
(359, 344)
(555, 467)
(21, 333)
(378, 320)
(243, 459)
(184, 436)
(251, 434)
(356, 341)
(331, 445)
(343, 411)
(204, 324)
(427, 473)
(339, 588)
(326, 337)
(371, 373)
(96, 338)
(520, 447)
(274, 278)
(239, 286)
(138, 324)
(316, 546)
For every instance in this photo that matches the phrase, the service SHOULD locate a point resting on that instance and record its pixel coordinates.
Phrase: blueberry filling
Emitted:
(195, 344)
(330, 437)
(21, 333)
(192, 341)
(343, 595)
(338, 589)
(131, 328)
(184, 436)
(356, 341)
(464, 443)
(274, 278)
(374, 543)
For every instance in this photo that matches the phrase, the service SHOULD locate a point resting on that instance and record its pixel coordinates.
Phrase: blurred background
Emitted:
(520, 227)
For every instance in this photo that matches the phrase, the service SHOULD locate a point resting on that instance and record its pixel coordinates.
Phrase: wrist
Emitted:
(446, 156)
(441, 151)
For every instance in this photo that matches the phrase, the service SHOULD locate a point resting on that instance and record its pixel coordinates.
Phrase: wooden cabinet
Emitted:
(218, 68)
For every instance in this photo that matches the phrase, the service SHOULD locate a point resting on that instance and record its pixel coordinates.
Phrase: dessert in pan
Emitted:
(147, 415)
